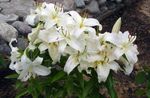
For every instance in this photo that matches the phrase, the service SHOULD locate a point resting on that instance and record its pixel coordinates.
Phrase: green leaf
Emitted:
(140, 92)
(12, 76)
(88, 88)
(69, 85)
(140, 77)
(148, 83)
(1, 60)
(19, 85)
(148, 93)
(110, 86)
(58, 76)
(22, 93)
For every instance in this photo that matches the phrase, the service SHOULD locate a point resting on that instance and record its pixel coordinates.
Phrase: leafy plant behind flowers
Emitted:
(143, 79)
(68, 57)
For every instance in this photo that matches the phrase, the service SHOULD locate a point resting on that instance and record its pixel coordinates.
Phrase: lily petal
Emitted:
(30, 19)
(132, 57)
(92, 22)
(128, 68)
(38, 61)
(24, 75)
(76, 43)
(76, 16)
(102, 72)
(71, 63)
(54, 52)
(41, 70)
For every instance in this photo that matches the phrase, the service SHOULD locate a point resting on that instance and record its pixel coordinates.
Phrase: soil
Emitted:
(135, 19)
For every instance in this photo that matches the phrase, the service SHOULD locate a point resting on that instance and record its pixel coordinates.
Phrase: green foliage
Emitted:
(110, 86)
(143, 78)
(2, 62)
(60, 85)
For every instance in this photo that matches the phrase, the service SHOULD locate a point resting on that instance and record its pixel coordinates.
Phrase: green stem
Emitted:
(110, 86)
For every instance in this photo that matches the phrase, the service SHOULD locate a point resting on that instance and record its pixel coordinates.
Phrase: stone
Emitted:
(18, 7)
(101, 2)
(22, 27)
(8, 18)
(4, 0)
(2, 41)
(69, 5)
(104, 8)
(80, 3)
(118, 1)
(129, 2)
(93, 7)
(112, 6)
(7, 32)
(1, 9)
(22, 43)
(5, 49)
(51, 1)
(87, 1)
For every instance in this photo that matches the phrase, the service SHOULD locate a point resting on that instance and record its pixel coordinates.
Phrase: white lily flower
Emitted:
(53, 41)
(63, 37)
(30, 19)
(103, 70)
(55, 16)
(124, 43)
(73, 60)
(71, 63)
(32, 68)
(14, 56)
(53, 49)
(83, 24)
(128, 67)
(33, 36)
(83, 59)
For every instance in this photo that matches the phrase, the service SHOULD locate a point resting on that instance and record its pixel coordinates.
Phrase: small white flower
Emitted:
(128, 67)
(53, 49)
(30, 19)
(103, 70)
(14, 56)
(124, 44)
(83, 24)
(32, 68)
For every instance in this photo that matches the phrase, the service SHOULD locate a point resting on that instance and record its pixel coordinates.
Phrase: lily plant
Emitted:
(65, 42)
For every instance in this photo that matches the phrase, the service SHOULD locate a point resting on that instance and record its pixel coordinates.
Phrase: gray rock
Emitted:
(5, 49)
(4, 0)
(103, 8)
(93, 7)
(23, 28)
(68, 5)
(18, 7)
(87, 1)
(8, 18)
(112, 6)
(22, 43)
(52, 1)
(7, 32)
(101, 2)
(2, 41)
(80, 3)
(118, 1)
(1, 9)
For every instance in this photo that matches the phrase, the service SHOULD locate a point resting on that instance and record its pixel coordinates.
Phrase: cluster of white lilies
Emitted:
(68, 34)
